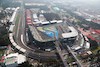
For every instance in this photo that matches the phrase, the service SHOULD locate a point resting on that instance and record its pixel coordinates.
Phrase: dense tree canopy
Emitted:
(4, 41)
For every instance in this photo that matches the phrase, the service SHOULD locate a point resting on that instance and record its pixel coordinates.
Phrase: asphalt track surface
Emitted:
(21, 40)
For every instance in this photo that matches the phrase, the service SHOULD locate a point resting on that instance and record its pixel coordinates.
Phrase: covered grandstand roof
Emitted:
(73, 33)
(46, 22)
(14, 14)
(11, 28)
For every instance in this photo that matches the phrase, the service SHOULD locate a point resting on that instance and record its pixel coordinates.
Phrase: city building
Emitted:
(93, 34)
(12, 60)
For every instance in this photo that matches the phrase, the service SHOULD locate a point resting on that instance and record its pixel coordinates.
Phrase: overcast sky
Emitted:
(89, 1)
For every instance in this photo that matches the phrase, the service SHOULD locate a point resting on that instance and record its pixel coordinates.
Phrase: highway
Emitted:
(57, 43)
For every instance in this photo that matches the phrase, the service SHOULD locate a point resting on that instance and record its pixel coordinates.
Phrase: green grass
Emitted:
(70, 59)
(78, 56)
(1, 53)
(95, 51)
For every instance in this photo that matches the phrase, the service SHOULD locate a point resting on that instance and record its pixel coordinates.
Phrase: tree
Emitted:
(93, 45)
(4, 40)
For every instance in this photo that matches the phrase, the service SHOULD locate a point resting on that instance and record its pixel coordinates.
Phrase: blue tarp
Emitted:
(52, 34)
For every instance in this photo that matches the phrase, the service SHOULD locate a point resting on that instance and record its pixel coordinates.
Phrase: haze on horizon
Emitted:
(94, 4)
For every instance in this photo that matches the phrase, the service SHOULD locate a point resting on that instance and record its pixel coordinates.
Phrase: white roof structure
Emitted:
(12, 60)
(39, 22)
(88, 19)
(73, 33)
(10, 35)
(10, 55)
(11, 39)
(87, 45)
(13, 8)
(21, 58)
(8, 8)
(36, 20)
(53, 21)
(47, 22)
(18, 47)
(59, 21)
(23, 50)
(77, 48)
(11, 28)
(14, 14)
(35, 16)
(14, 44)
(47, 49)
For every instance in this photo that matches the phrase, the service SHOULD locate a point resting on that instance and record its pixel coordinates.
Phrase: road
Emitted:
(57, 43)
(79, 63)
